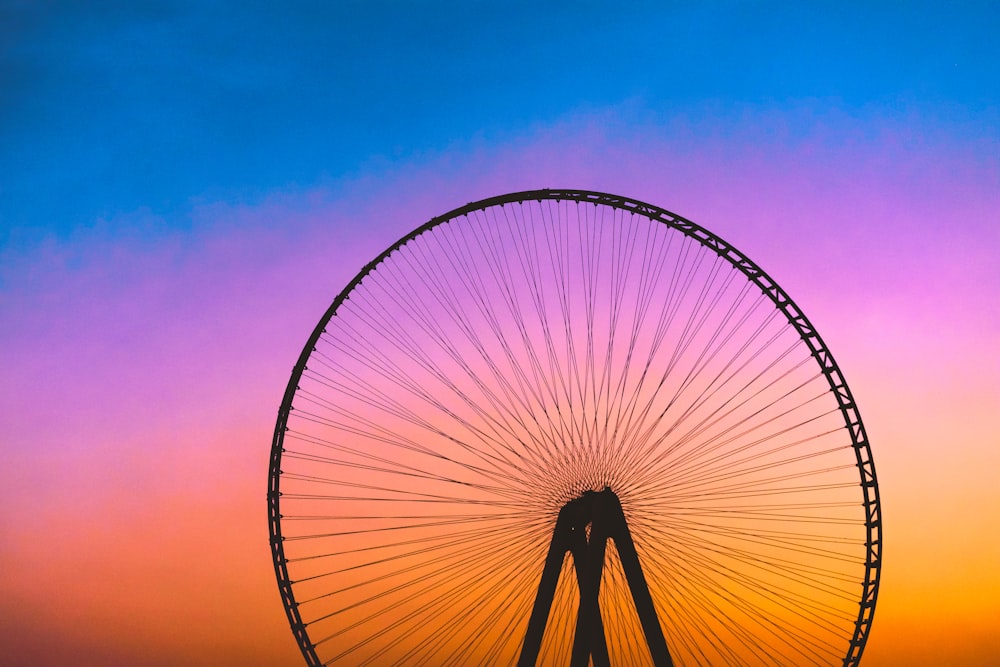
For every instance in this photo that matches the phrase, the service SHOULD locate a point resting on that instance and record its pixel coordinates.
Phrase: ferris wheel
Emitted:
(563, 427)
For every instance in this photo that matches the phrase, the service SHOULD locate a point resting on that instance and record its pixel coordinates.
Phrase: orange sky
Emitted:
(158, 278)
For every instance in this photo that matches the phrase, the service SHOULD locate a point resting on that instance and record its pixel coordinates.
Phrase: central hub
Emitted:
(581, 512)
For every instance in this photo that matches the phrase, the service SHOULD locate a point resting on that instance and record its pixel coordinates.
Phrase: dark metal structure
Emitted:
(583, 529)
(307, 481)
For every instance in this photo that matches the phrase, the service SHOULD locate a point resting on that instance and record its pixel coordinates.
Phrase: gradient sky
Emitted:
(185, 186)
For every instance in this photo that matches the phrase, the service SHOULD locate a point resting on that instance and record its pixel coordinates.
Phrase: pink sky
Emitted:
(144, 366)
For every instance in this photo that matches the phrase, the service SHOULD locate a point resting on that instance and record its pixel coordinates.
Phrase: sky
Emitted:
(186, 186)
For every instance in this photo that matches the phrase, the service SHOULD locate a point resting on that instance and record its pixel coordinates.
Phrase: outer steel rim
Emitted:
(796, 318)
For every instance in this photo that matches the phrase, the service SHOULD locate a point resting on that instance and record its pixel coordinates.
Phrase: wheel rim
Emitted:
(502, 359)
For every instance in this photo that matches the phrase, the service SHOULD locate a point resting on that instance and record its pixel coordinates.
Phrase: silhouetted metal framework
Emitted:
(607, 516)
(601, 512)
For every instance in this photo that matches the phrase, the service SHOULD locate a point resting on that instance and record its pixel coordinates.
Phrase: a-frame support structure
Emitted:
(602, 512)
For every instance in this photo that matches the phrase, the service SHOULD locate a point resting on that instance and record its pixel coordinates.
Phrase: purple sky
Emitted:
(184, 194)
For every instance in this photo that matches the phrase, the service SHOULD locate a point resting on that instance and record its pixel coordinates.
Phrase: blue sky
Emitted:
(114, 106)
(185, 186)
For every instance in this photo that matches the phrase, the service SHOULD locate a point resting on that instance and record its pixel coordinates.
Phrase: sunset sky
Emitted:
(186, 186)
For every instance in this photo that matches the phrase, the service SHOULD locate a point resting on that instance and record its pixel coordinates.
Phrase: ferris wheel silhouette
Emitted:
(565, 427)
